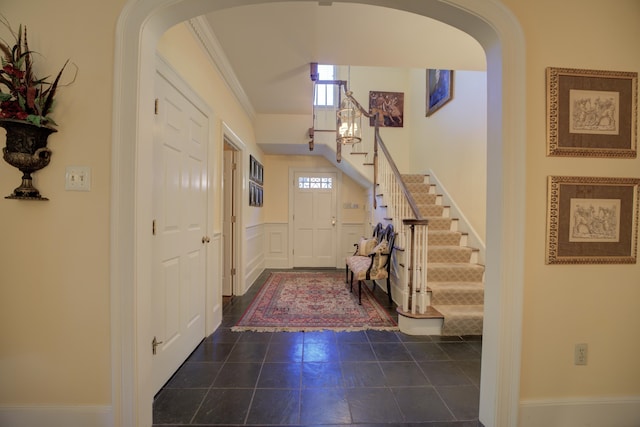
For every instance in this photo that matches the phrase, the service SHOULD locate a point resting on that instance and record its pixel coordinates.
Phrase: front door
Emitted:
(179, 227)
(314, 219)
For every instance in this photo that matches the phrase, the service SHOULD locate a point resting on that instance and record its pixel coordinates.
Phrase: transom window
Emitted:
(315, 182)
(324, 96)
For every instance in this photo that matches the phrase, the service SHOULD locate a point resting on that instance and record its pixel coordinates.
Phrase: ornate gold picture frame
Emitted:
(591, 113)
(592, 220)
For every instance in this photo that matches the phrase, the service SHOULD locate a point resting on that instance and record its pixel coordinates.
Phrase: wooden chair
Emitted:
(363, 248)
(376, 265)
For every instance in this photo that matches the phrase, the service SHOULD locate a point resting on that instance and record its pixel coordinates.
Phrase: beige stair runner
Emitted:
(456, 283)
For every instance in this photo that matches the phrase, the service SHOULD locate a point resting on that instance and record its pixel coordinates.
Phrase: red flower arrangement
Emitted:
(27, 97)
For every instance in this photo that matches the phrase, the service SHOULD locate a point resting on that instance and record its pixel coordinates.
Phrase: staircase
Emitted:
(454, 278)
(439, 282)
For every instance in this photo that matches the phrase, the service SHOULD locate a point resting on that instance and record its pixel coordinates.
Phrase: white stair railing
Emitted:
(405, 215)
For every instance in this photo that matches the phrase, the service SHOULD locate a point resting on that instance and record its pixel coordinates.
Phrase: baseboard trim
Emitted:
(580, 412)
(56, 416)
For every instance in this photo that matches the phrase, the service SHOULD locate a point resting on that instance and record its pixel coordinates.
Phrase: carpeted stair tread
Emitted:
(439, 223)
(424, 198)
(451, 254)
(410, 178)
(454, 272)
(461, 319)
(430, 210)
(444, 237)
(456, 293)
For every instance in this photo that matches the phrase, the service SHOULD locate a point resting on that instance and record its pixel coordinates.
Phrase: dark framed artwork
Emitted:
(256, 170)
(592, 220)
(591, 113)
(439, 89)
(389, 106)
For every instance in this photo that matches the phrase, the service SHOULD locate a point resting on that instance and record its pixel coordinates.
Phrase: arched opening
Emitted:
(141, 24)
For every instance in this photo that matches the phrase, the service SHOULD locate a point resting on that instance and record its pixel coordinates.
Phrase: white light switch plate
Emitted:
(78, 178)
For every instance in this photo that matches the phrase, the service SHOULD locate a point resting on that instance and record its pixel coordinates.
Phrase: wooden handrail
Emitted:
(377, 140)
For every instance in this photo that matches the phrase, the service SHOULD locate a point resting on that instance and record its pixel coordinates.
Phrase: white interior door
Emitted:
(314, 219)
(180, 213)
(229, 221)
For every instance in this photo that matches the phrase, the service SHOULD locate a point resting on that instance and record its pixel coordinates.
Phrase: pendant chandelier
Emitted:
(349, 121)
(348, 112)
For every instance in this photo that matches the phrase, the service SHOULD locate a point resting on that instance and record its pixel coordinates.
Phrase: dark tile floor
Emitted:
(366, 378)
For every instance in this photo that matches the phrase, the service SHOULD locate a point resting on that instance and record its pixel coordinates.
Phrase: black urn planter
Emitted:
(26, 149)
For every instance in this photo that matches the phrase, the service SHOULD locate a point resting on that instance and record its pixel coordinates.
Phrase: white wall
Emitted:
(452, 142)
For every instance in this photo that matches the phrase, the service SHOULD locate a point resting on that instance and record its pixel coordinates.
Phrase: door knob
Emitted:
(205, 239)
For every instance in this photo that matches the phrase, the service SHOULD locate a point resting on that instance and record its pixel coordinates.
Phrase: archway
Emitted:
(141, 24)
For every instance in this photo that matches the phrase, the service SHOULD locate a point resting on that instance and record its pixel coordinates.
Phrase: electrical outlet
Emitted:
(580, 355)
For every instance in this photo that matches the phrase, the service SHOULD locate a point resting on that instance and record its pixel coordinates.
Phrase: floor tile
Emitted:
(320, 351)
(444, 373)
(284, 352)
(281, 407)
(177, 405)
(382, 336)
(422, 404)
(362, 374)
(403, 374)
(472, 369)
(353, 352)
(464, 401)
(459, 351)
(195, 375)
(280, 375)
(355, 336)
(373, 405)
(426, 351)
(391, 351)
(243, 375)
(363, 378)
(209, 351)
(321, 375)
(224, 406)
(319, 407)
(248, 352)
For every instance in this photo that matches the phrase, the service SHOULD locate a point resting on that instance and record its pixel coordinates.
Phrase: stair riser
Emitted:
(445, 239)
(426, 198)
(449, 255)
(419, 179)
(432, 210)
(448, 274)
(458, 299)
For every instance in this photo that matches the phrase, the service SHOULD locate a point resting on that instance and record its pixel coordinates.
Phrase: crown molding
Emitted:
(200, 28)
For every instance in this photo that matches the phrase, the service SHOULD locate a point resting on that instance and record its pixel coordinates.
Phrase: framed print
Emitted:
(252, 193)
(591, 113)
(256, 171)
(389, 105)
(439, 92)
(592, 220)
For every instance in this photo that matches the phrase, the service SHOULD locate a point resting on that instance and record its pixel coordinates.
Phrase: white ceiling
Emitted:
(270, 46)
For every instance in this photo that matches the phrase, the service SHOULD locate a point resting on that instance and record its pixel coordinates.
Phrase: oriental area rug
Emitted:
(312, 301)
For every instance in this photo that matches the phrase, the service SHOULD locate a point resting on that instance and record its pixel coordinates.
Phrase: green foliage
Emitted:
(27, 97)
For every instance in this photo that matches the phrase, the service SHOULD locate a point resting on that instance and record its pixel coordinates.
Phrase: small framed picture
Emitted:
(439, 89)
(389, 106)
(592, 220)
(591, 113)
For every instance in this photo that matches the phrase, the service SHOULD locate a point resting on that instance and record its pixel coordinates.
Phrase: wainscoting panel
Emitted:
(276, 252)
(56, 416)
(593, 412)
(255, 259)
(214, 287)
(349, 236)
